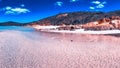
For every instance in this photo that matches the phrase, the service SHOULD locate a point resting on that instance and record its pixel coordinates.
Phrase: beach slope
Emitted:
(58, 50)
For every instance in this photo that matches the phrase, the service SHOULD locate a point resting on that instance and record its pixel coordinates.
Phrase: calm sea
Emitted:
(18, 28)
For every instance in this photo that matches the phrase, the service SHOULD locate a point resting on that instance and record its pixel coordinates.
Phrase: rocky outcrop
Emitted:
(104, 24)
(62, 15)
(100, 27)
(69, 27)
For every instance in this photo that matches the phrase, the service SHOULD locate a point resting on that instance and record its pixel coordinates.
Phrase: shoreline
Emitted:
(81, 31)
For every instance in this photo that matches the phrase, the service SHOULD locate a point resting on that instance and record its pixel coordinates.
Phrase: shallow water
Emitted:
(17, 28)
(33, 49)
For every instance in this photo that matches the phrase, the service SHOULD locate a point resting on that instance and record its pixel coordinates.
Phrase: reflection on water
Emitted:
(81, 37)
(115, 35)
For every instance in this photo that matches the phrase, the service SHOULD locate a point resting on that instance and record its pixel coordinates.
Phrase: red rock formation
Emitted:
(104, 24)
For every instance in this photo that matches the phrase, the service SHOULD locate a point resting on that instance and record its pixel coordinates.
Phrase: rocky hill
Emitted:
(75, 18)
(111, 23)
(10, 23)
(68, 18)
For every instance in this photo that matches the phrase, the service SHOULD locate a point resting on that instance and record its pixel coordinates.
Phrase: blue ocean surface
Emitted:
(17, 28)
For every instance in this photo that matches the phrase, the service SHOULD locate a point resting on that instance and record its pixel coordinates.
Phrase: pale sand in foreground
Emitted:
(49, 50)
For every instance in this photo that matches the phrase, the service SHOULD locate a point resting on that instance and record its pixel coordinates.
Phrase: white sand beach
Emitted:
(58, 50)
(44, 27)
(81, 31)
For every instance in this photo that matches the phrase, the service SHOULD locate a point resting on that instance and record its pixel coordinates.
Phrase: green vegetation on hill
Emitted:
(76, 17)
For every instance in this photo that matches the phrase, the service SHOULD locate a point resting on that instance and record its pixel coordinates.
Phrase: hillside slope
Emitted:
(75, 18)
(11, 23)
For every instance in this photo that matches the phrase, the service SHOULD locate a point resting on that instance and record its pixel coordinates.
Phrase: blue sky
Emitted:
(32, 10)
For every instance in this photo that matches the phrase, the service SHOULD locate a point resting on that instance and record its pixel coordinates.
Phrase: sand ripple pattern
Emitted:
(47, 50)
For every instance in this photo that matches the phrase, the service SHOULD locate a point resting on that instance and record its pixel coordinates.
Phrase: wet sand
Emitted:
(58, 50)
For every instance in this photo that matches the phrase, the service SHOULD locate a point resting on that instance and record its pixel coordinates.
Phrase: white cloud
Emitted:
(22, 5)
(100, 6)
(96, 2)
(20, 10)
(104, 2)
(92, 7)
(73, 0)
(58, 3)
(10, 10)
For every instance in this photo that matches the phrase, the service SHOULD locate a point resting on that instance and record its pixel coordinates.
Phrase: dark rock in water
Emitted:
(71, 40)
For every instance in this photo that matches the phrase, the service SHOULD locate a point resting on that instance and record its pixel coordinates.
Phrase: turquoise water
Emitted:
(17, 28)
